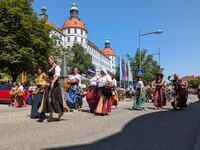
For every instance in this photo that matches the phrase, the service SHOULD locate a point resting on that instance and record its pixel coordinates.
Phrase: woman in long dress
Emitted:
(74, 92)
(19, 99)
(13, 98)
(31, 89)
(115, 97)
(140, 100)
(179, 99)
(38, 93)
(169, 91)
(104, 95)
(160, 97)
(53, 100)
(92, 91)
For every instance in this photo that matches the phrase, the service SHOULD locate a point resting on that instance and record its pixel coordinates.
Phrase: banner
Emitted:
(120, 69)
(130, 77)
(125, 72)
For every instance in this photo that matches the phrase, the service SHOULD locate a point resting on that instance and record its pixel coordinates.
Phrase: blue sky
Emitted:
(120, 20)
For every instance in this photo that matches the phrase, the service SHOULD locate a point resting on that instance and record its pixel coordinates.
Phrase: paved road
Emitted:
(123, 129)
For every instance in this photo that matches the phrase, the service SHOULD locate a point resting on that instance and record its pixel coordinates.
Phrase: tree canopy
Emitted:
(80, 59)
(24, 40)
(194, 83)
(149, 66)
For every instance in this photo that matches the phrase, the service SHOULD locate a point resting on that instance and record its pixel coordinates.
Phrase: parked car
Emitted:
(5, 92)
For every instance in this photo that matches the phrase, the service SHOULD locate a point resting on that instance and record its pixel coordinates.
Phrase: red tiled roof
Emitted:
(108, 51)
(188, 78)
(56, 28)
(74, 22)
(93, 45)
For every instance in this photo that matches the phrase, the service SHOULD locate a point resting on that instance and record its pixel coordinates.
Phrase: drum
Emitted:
(151, 90)
(13, 93)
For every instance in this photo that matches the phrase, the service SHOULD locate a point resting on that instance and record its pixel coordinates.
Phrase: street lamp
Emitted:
(157, 32)
(156, 54)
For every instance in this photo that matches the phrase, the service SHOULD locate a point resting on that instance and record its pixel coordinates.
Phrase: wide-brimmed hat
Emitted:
(92, 71)
(40, 67)
(159, 73)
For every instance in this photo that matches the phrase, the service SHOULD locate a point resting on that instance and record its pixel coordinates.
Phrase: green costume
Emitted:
(140, 101)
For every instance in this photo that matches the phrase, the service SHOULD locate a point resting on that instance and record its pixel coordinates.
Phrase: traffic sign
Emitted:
(140, 72)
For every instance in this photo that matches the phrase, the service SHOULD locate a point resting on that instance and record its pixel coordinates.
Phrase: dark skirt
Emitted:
(20, 102)
(91, 97)
(180, 99)
(74, 95)
(160, 97)
(53, 101)
(36, 104)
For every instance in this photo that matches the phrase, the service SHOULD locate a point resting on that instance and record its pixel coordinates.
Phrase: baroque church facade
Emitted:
(74, 30)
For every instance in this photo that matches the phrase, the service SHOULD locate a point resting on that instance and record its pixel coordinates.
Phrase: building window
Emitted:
(81, 32)
(81, 40)
(75, 31)
(68, 39)
(58, 42)
(75, 23)
(75, 39)
(68, 30)
(69, 47)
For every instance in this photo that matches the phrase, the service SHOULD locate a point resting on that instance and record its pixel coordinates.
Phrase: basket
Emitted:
(12, 93)
(20, 94)
(109, 86)
(151, 90)
(66, 85)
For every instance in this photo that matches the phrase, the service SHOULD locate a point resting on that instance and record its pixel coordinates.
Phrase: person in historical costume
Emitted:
(19, 99)
(31, 89)
(179, 99)
(104, 94)
(14, 90)
(53, 100)
(38, 93)
(140, 100)
(169, 89)
(160, 97)
(92, 91)
(115, 97)
(147, 93)
(74, 93)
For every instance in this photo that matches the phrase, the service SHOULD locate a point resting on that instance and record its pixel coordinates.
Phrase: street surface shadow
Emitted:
(161, 130)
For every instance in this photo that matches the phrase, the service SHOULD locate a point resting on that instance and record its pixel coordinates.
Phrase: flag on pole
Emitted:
(120, 70)
(130, 77)
(125, 72)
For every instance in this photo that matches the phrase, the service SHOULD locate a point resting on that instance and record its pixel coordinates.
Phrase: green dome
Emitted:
(43, 7)
(107, 40)
(74, 6)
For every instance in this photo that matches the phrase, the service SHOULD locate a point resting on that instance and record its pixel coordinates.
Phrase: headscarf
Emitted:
(104, 70)
(92, 71)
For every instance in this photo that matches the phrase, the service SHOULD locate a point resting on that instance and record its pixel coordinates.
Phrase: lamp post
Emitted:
(156, 54)
(157, 32)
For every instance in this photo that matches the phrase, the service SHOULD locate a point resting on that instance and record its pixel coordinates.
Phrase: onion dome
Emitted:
(74, 22)
(44, 8)
(107, 50)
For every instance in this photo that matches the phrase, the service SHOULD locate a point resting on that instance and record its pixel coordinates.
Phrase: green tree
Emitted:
(149, 66)
(24, 40)
(194, 83)
(81, 59)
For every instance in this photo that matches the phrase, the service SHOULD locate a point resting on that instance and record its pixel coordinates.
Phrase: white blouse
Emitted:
(32, 88)
(104, 79)
(92, 81)
(138, 84)
(114, 82)
(57, 71)
(78, 77)
(20, 89)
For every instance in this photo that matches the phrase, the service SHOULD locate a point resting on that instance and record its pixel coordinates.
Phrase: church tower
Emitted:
(43, 15)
